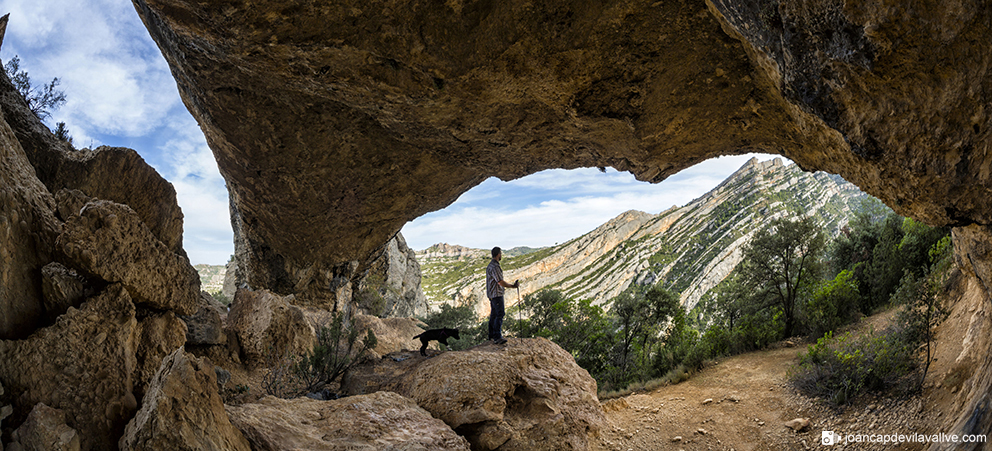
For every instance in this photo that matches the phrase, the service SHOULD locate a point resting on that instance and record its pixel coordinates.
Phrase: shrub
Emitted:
(335, 351)
(42, 101)
(841, 369)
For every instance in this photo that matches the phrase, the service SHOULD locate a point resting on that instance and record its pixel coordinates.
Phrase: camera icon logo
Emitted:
(830, 438)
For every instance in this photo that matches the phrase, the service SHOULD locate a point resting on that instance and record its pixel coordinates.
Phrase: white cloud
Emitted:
(201, 193)
(116, 81)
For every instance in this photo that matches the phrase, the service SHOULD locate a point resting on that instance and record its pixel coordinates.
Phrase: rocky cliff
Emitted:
(687, 249)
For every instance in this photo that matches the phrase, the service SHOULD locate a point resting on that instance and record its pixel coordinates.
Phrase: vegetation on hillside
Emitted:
(792, 282)
(677, 247)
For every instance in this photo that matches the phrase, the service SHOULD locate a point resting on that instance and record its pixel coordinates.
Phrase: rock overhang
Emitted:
(336, 124)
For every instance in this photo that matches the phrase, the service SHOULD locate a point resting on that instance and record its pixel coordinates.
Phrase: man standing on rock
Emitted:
(494, 291)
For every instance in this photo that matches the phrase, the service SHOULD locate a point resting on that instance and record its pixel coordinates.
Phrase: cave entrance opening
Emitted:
(556, 205)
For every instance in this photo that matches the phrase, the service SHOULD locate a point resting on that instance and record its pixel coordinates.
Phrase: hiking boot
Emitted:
(499, 341)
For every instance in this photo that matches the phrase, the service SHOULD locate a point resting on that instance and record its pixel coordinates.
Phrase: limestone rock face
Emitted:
(159, 335)
(45, 430)
(903, 85)
(268, 326)
(28, 229)
(530, 396)
(109, 240)
(378, 421)
(392, 334)
(182, 410)
(391, 287)
(84, 365)
(230, 279)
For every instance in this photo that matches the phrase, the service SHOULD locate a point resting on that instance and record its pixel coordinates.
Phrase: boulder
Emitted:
(159, 334)
(527, 395)
(62, 288)
(45, 430)
(83, 364)
(392, 334)
(206, 327)
(182, 411)
(109, 240)
(268, 326)
(378, 421)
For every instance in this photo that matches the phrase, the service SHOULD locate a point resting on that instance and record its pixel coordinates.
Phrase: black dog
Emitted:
(440, 335)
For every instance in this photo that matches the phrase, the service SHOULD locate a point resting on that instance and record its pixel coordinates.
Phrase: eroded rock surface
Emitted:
(380, 421)
(182, 410)
(109, 240)
(27, 233)
(45, 430)
(62, 288)
(392, 334)
(417, 104)
(206, 327)
(391, 286)
(268, 327)
(526, 395)
(84, 365)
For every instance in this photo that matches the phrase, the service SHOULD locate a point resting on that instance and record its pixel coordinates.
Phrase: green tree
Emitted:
(62, 132)
(780, 261)
(42, 101)
(579, 327)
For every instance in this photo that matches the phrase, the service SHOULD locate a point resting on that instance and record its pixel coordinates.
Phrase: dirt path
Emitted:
(743, 402)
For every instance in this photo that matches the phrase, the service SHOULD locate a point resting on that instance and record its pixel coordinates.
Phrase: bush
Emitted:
(841, 369)
(292, 376)
(833, 304)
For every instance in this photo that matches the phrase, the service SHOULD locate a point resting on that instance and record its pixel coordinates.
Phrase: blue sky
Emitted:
(120, 93)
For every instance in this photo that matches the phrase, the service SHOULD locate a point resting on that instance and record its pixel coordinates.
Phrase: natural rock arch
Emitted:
(335, 124)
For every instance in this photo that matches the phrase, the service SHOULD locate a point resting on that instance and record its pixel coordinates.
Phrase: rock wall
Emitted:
(391, 285)
(28, 229)
(890, 98)
(89, 287)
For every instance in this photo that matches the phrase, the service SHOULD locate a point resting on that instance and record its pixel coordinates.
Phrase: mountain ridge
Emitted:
(688, 249)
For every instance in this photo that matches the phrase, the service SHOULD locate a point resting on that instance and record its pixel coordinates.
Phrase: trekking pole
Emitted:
(520, 326)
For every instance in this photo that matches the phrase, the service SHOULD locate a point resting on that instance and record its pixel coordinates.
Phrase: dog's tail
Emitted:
(418, 336)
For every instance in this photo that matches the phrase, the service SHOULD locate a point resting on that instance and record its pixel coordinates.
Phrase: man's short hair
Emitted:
(496, 251)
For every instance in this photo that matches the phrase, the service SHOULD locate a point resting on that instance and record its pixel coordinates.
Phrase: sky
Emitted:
(120, 92)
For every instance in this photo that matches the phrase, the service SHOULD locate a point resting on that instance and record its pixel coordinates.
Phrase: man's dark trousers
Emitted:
(496, 314)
